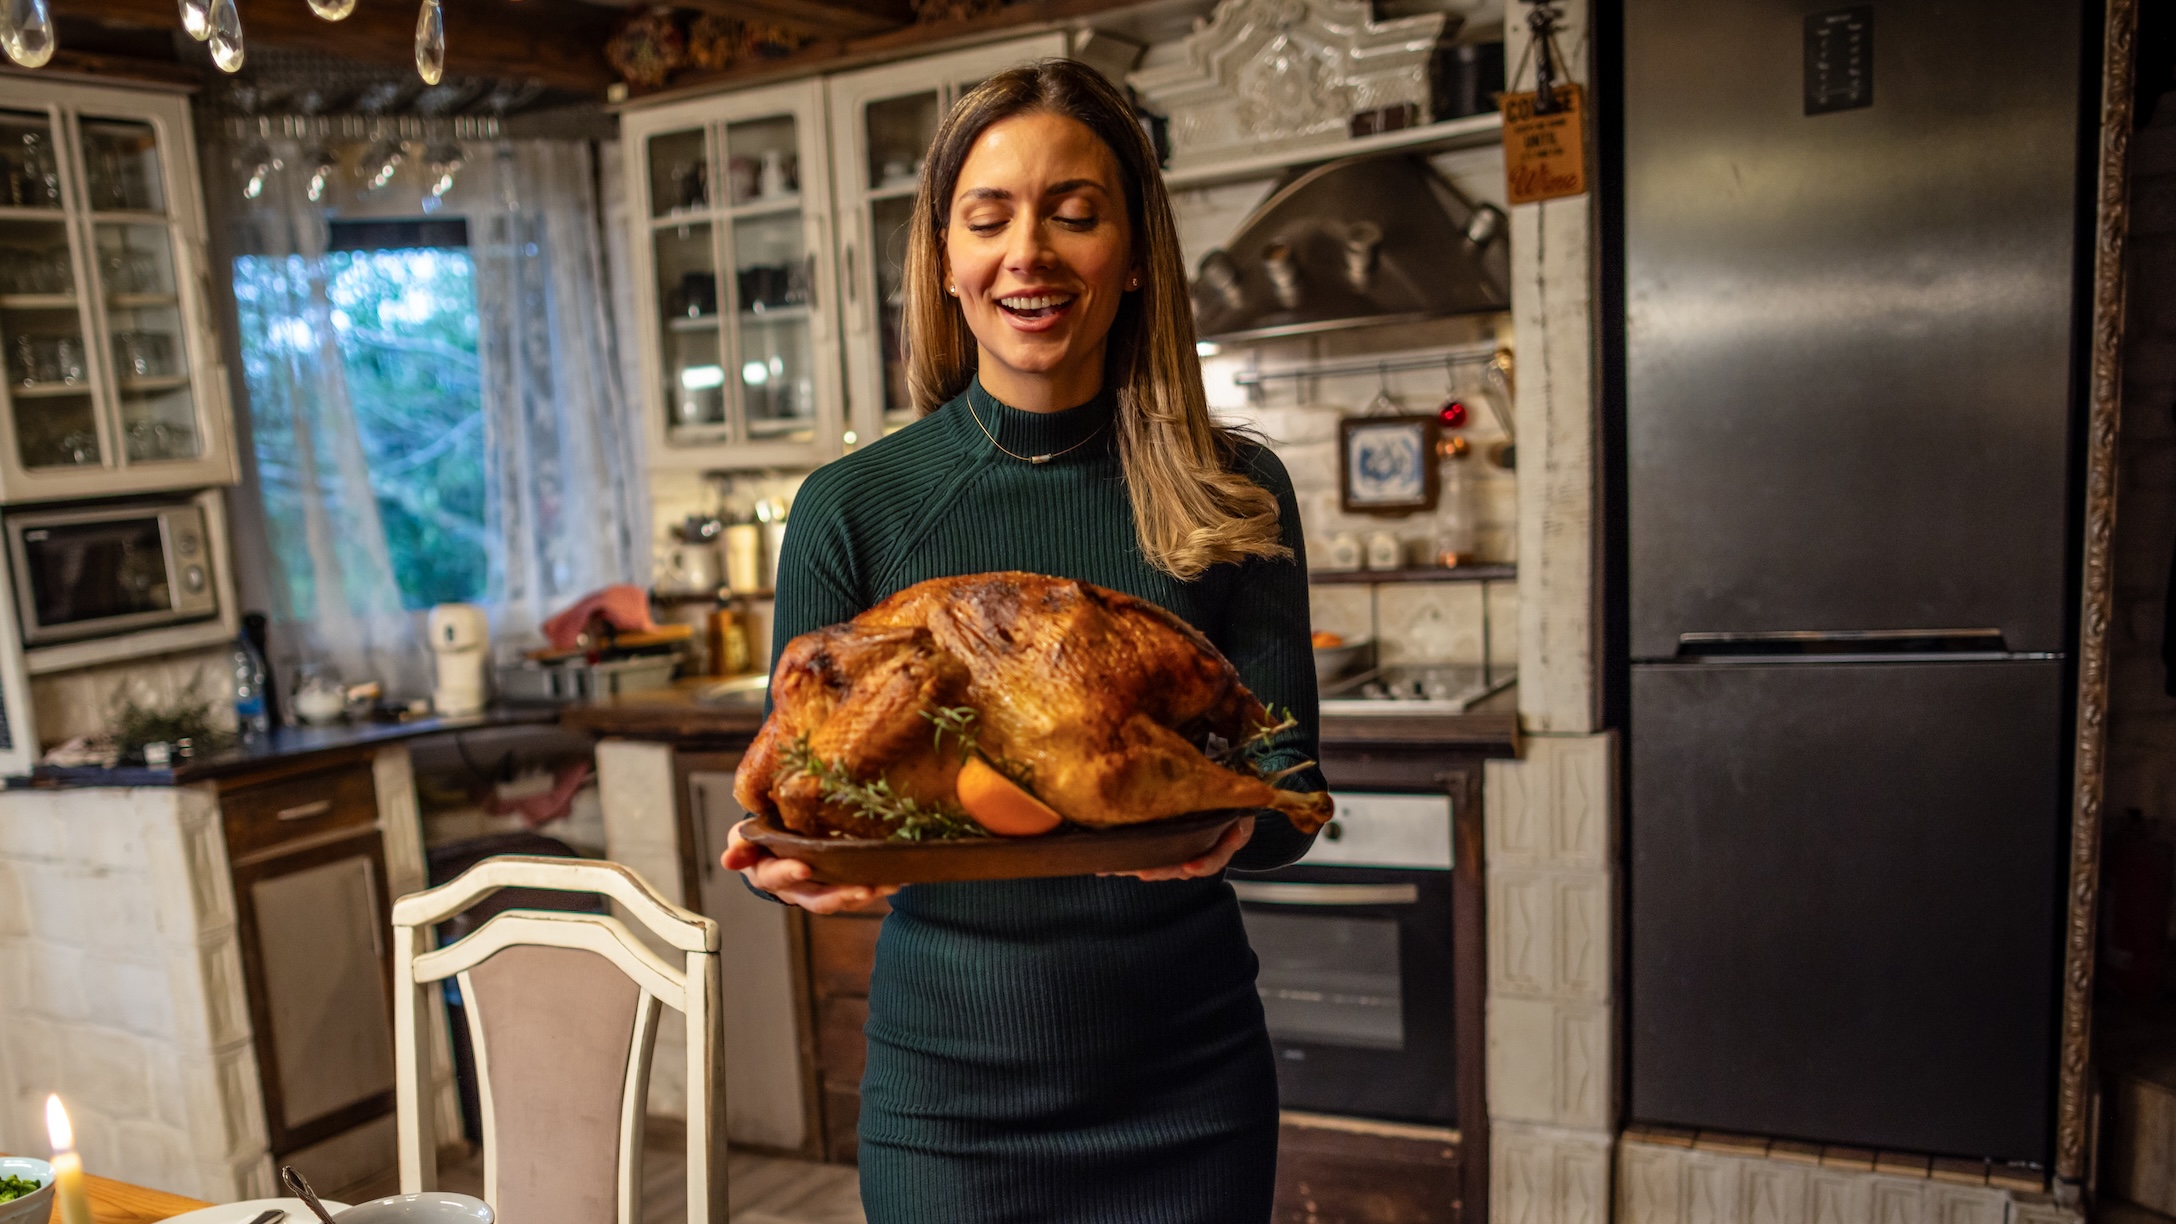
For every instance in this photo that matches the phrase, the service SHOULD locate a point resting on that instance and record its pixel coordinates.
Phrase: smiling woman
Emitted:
(1089, 1048)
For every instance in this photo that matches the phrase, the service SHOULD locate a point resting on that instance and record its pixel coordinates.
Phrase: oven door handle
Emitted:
(1268, 893)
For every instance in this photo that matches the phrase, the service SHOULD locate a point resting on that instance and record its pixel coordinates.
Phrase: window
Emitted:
(402, 302)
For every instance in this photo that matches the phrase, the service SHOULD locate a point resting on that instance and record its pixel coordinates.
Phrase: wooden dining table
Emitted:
(117, 1202)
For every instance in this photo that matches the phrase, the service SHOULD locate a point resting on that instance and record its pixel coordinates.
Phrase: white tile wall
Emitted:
(1670, 1184)
(81, 702)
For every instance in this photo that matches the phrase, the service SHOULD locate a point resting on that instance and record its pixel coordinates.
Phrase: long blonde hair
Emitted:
(1190, 509)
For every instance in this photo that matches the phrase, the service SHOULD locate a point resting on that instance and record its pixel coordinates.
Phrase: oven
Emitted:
(95, 570)
(1357, 962)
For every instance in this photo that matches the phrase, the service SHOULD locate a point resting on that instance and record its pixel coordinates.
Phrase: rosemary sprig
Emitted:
(908, 818)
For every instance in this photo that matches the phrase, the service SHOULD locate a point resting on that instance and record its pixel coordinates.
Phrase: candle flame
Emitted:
(56, 1125)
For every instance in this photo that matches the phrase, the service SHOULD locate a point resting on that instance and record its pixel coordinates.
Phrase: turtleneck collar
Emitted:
(1040, 433)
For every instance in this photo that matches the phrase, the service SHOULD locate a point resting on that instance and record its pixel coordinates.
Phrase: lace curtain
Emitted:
(564, 499)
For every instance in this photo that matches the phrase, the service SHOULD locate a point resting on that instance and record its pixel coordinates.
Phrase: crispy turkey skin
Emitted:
(1094, 699)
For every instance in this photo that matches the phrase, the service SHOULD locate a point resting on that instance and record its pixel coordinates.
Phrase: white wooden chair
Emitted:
(563, 1010)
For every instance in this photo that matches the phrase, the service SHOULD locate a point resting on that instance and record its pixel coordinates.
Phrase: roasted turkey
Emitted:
(1105, 707)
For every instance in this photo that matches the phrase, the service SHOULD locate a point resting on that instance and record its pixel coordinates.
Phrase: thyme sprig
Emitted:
(960, 723)
(1250, 753)
(908, 818)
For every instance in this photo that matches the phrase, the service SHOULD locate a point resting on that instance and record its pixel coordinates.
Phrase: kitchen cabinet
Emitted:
(309, 871)
(768, 247)
(113, 380)
(732, 263)
(882, 122)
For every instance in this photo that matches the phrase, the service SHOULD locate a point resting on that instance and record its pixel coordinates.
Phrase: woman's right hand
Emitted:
(788, 879)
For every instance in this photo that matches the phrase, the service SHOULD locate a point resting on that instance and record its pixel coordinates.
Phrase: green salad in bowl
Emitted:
(26, 1190)
(13, 1187)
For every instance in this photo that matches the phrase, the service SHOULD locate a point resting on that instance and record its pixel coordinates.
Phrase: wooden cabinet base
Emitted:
(1356, 1171)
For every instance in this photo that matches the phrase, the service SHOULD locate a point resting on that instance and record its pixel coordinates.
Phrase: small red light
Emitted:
(1454, 414)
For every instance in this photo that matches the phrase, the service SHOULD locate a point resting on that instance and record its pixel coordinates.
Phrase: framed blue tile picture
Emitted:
(1387, 464)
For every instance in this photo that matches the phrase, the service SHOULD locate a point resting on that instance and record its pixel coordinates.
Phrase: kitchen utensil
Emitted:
(691, 569)
(1384, 551)
(1331, 662)
(296, 1182)
(270, 1215)
(1069, 852)
(744, 558)
(249, 1210)
(34, 1207)
(434, 1207)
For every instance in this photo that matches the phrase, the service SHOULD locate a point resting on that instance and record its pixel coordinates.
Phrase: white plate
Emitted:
(243, 1213)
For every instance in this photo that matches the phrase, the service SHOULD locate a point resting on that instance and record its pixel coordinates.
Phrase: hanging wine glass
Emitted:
(444, 160)
(322, 164)
(382, 161)
(259, 164)
(226, 36)
(430, 43)
(332, 10)
(196, 18)
(26, 33)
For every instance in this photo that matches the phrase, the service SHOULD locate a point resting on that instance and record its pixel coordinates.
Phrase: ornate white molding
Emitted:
(1288, 72)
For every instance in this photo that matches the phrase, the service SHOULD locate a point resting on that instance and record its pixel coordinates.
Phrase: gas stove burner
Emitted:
(1438, 688)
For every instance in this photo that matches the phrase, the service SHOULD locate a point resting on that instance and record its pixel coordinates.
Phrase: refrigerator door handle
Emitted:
(1827, 643)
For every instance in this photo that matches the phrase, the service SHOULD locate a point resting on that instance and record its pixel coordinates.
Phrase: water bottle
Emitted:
(250, 715)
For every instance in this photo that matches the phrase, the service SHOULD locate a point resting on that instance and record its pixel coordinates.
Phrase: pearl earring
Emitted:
(952, 289)
(1133, 282)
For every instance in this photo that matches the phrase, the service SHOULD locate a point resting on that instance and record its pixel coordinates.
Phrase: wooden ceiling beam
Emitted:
(557, 42)
(821, 18)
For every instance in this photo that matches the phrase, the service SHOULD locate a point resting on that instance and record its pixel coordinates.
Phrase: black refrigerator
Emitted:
(1851, 278)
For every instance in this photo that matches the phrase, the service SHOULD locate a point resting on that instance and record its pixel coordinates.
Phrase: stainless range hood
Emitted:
(1366, 240)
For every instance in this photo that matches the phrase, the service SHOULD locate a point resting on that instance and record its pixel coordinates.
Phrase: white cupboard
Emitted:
(114, 381)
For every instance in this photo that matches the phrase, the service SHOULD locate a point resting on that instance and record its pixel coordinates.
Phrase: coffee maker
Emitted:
(460, 639)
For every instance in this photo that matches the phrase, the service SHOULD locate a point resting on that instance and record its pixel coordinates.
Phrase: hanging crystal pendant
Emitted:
(332, 10)
(226, 36)
(26, 33)
(196, 18)
(430, 43)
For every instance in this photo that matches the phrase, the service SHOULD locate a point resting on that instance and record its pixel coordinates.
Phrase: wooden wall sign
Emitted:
(1545, 156)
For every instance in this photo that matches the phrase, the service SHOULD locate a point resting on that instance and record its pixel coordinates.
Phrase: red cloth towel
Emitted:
(625, 607)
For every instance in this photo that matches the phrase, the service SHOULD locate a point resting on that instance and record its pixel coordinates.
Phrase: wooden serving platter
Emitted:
(1068, 852)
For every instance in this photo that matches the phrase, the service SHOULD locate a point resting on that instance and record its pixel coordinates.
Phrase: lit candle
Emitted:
(68, 1188)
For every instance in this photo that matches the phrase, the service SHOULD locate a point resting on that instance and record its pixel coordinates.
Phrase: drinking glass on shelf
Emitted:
(68, 360)
(23, 360)
(142, 354)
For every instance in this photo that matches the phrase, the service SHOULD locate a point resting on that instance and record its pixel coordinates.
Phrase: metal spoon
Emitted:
(274, 1216)
(299, 1186)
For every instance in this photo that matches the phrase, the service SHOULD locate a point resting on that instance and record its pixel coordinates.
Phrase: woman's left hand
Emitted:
(1211, 862)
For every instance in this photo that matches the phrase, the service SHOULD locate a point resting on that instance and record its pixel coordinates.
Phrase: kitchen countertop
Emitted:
(1491, 729)
(287, 747)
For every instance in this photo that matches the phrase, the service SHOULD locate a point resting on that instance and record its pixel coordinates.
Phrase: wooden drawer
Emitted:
(842, 954)
(1347, 1171)
(265, 815)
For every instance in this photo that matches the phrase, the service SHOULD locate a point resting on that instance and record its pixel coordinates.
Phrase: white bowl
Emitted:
(432, 1207)
(32, 1208)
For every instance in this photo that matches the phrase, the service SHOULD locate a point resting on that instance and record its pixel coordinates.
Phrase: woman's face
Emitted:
(1038, 250)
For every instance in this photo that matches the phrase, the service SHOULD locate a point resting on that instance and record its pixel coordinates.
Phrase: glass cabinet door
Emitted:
(745, 359)
(41, 314)
(133, 270)
(773, 288)
(898, 134)
(883, 122)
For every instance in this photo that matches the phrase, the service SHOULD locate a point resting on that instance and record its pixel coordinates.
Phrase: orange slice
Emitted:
(1000, 805)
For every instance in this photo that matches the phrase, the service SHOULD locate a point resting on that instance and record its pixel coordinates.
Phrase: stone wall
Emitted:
(124, 989)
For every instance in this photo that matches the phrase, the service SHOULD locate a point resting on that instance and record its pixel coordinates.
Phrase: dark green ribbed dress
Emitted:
(1084, 1049)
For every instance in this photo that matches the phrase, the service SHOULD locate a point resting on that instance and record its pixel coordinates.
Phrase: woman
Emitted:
(1083, 1049)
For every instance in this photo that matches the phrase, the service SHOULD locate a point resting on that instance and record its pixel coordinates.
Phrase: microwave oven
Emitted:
(98, 570)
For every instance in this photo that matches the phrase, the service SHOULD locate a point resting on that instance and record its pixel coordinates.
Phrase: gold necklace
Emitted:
(1035, 459)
